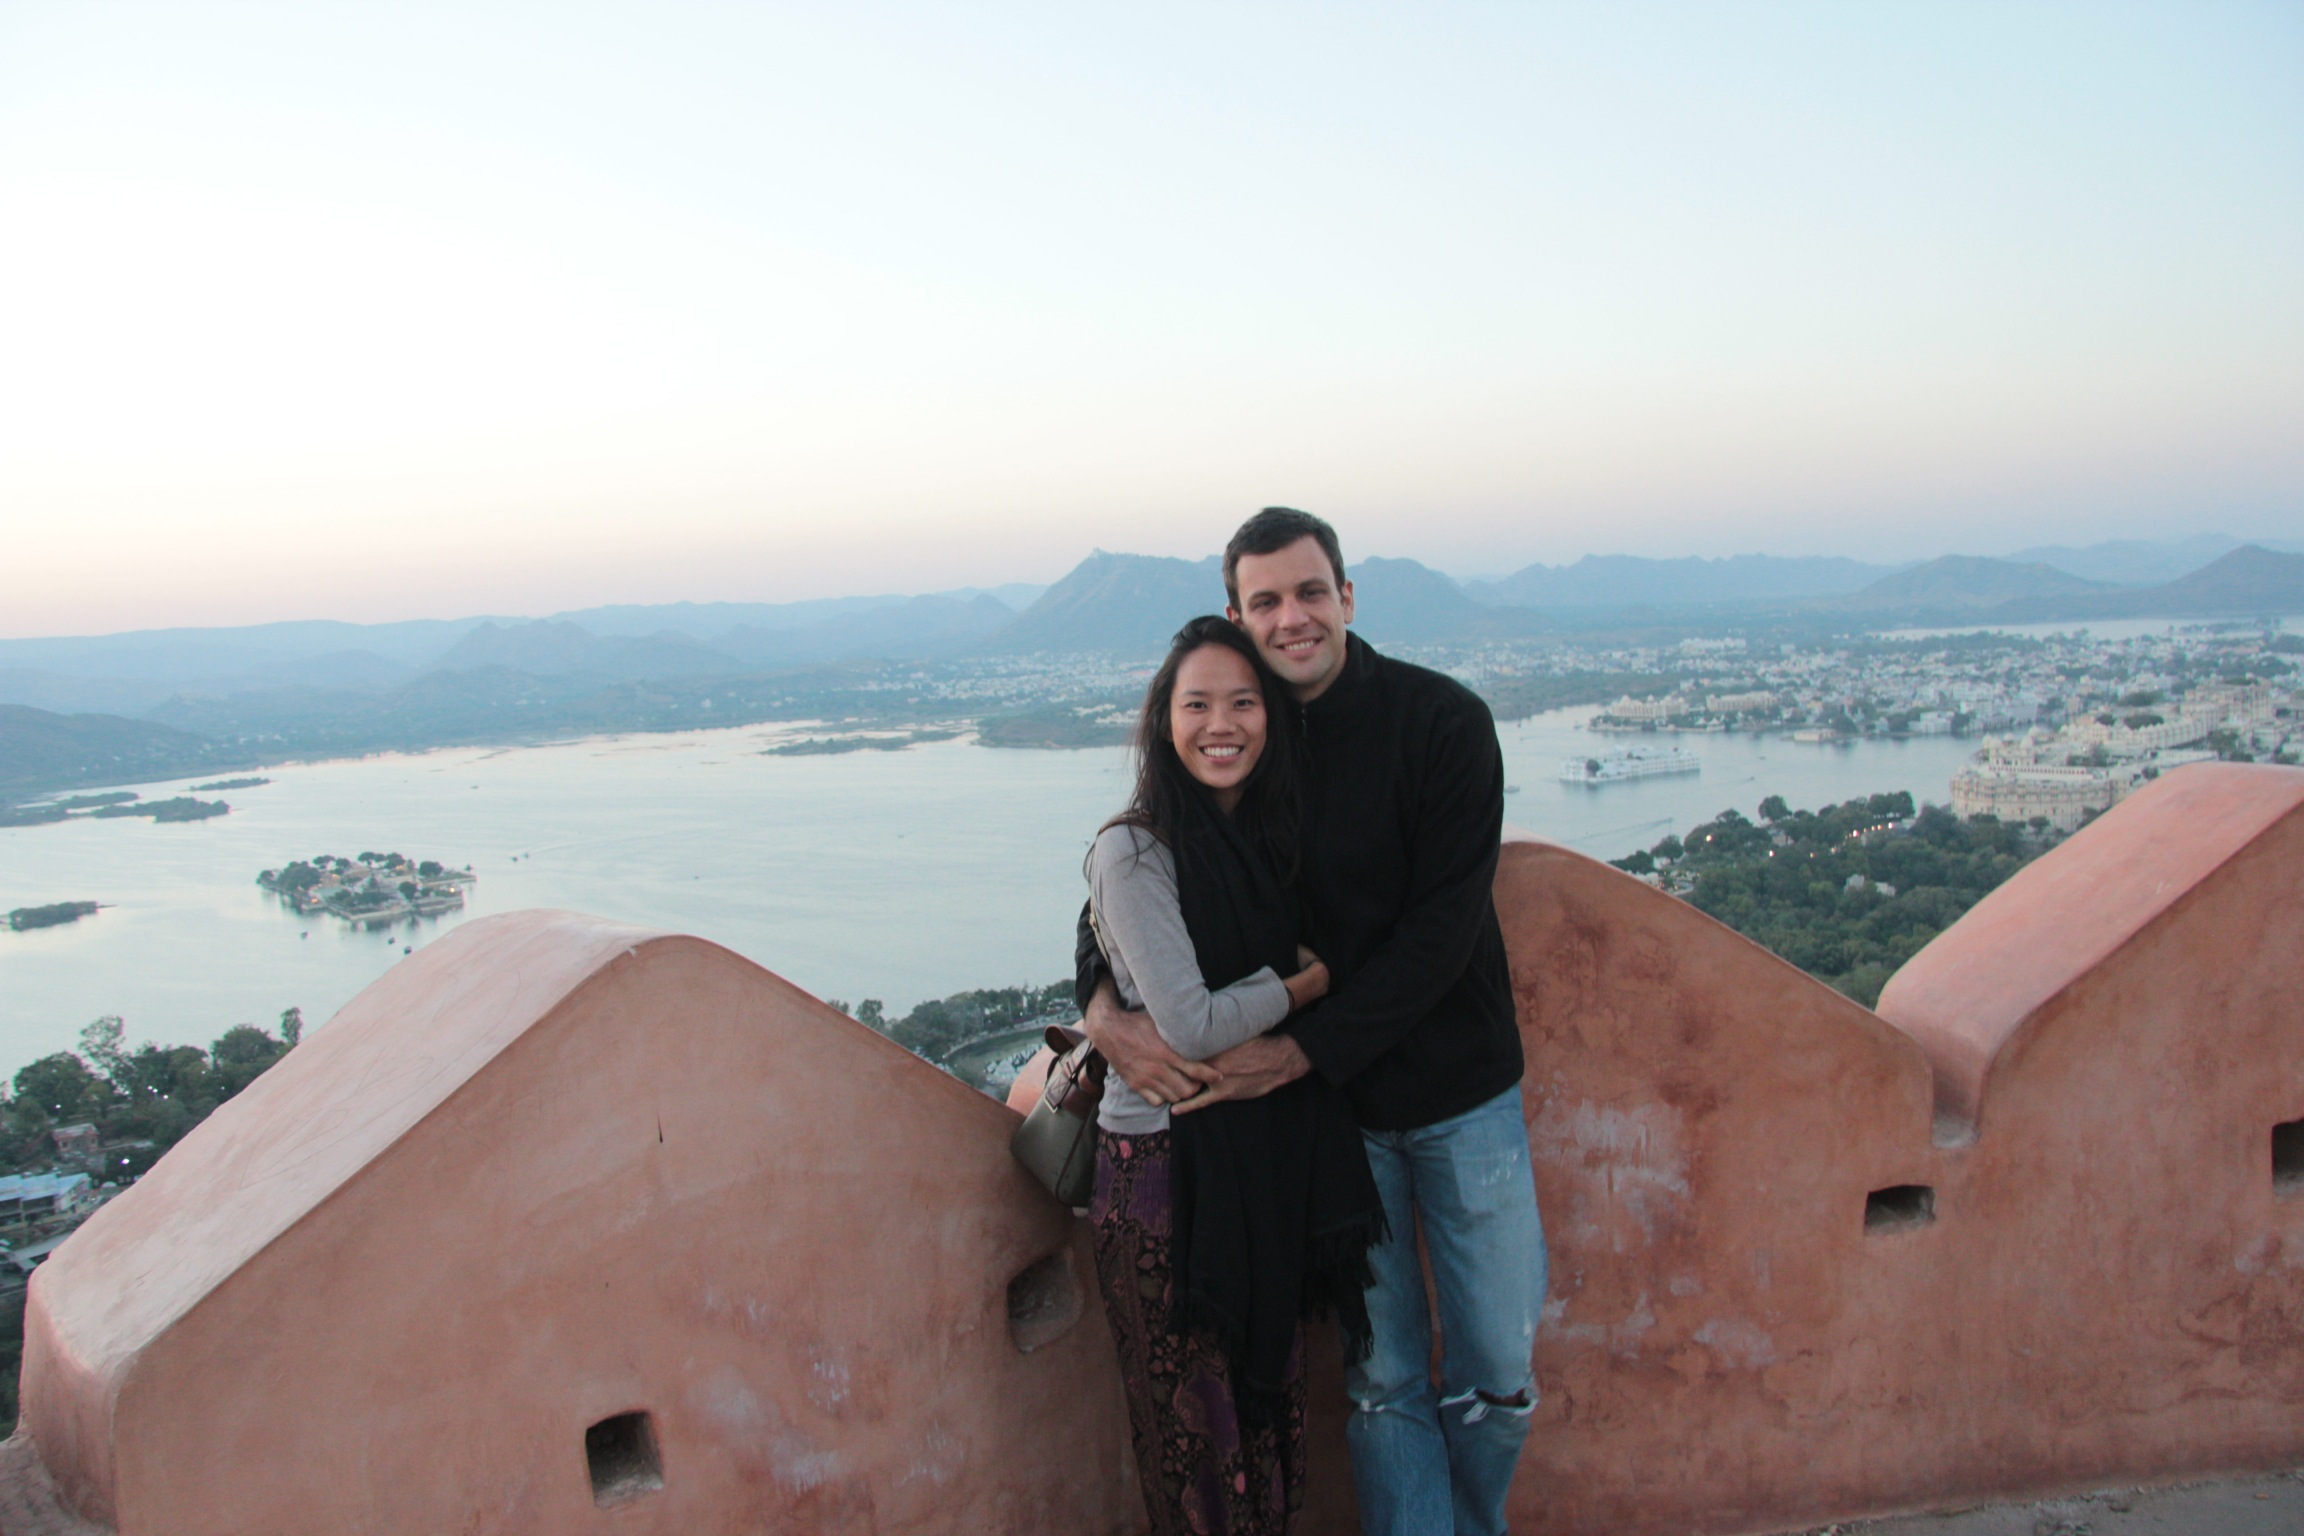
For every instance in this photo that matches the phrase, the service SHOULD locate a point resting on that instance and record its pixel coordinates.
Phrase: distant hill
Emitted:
(2146, 562)
(41, 751)
(710, 622)
(67, 693)
(1955, 582)
(1632, 581)
(2131, 562)
(138, 671)
(555, 648)
(1402, 602)
(1126, 604)
(1132, 604)
(202, 658)
(2249, 582)
(912, 629)
(545, 647)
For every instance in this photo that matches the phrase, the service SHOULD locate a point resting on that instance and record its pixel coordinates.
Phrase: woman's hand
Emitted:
(1133, 1048)
(1309, 984)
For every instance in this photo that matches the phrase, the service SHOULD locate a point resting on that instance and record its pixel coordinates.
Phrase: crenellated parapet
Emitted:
(568, 1226)
(565, 1226)
(2030, 1227)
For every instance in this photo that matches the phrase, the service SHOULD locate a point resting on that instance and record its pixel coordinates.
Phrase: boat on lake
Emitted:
(1629, 763)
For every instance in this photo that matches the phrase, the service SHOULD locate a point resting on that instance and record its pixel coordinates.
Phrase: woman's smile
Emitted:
(1217, 720)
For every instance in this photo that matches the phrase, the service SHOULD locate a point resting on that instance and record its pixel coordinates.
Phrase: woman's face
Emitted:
(1217, 720)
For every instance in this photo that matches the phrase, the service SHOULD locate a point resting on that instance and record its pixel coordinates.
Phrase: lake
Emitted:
(896, 875)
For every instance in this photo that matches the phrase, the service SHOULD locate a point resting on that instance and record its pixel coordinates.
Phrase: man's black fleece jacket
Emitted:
(1403, 785)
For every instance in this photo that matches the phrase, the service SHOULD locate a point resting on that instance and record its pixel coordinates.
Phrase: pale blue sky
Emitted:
(396, 310)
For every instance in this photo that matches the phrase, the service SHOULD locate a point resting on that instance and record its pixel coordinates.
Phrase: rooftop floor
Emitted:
(2241, 1506)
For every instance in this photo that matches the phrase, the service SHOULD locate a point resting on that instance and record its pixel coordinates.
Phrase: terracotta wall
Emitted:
(2110, 1287)
(550, 1171)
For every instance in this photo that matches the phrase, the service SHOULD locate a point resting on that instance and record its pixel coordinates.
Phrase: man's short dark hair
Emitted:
(1272, 530)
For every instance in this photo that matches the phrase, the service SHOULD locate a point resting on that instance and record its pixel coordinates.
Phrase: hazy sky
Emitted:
(388, 311)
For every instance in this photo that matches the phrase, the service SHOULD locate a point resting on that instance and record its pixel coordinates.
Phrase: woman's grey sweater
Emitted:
(1140, 921)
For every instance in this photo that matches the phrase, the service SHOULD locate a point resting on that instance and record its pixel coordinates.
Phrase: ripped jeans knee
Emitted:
(1477, 1403)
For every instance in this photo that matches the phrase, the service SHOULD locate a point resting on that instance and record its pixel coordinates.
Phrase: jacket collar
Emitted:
(1351, 684)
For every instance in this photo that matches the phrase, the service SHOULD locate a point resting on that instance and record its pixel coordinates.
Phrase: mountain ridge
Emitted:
(1125, 604)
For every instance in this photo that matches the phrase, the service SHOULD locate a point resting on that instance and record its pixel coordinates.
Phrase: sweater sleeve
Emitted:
(1459, 828)
(1132, 889)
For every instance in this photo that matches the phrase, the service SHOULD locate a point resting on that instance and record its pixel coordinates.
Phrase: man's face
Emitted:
(1291, 603)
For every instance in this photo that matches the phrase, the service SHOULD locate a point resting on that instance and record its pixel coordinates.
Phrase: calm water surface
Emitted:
(896, 875)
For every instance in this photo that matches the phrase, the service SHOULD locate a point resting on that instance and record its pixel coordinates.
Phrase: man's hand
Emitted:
(1131, 1043)
(1250, 1070)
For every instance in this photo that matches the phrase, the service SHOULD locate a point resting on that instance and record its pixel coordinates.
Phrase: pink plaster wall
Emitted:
(2111, 1288)
(551, 1169)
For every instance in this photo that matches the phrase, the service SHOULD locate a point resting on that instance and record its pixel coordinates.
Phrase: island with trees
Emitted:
(54, 914)
(854, 741)
(373, 890)
(110, 805)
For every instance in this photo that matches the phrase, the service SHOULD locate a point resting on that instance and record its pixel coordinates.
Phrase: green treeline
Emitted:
(833, 746)
(182, 808)
(1518, 697)
(118, 803)
(1108, 723)
(49, 916)
(934, 1027)
(142, 1101)
(1847, 893)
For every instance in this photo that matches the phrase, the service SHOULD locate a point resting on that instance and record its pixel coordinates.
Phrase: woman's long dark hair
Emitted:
(1267, 812)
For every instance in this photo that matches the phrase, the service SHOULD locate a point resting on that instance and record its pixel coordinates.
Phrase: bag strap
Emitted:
(1076, 1078)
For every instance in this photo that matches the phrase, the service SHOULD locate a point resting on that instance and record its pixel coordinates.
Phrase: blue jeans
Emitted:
(1433, 1461)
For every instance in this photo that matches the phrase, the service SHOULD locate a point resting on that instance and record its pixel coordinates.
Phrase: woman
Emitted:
(1218, 1232)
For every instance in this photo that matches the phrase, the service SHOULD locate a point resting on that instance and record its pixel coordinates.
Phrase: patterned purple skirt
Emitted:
(1204, 1472)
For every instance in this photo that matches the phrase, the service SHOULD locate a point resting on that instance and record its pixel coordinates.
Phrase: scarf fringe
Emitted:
(1337, 1275)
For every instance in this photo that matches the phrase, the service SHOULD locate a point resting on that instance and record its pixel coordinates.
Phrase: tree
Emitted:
(62, 1087)
(869, 1012)
(238, 1057)
(291, 1026)
(101, 1044)
(1773, 809)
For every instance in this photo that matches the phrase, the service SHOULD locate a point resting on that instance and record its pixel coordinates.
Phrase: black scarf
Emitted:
(1274, 1207)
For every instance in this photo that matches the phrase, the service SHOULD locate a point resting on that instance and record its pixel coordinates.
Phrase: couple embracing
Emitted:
(1300, 986)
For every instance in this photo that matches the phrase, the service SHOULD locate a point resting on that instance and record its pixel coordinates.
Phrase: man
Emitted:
(1403, 791)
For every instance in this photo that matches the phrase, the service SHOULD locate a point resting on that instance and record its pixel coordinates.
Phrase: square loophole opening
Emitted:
(1899, 1208)
(622, 1455)
(1043, 1301)
(2288, 1158)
